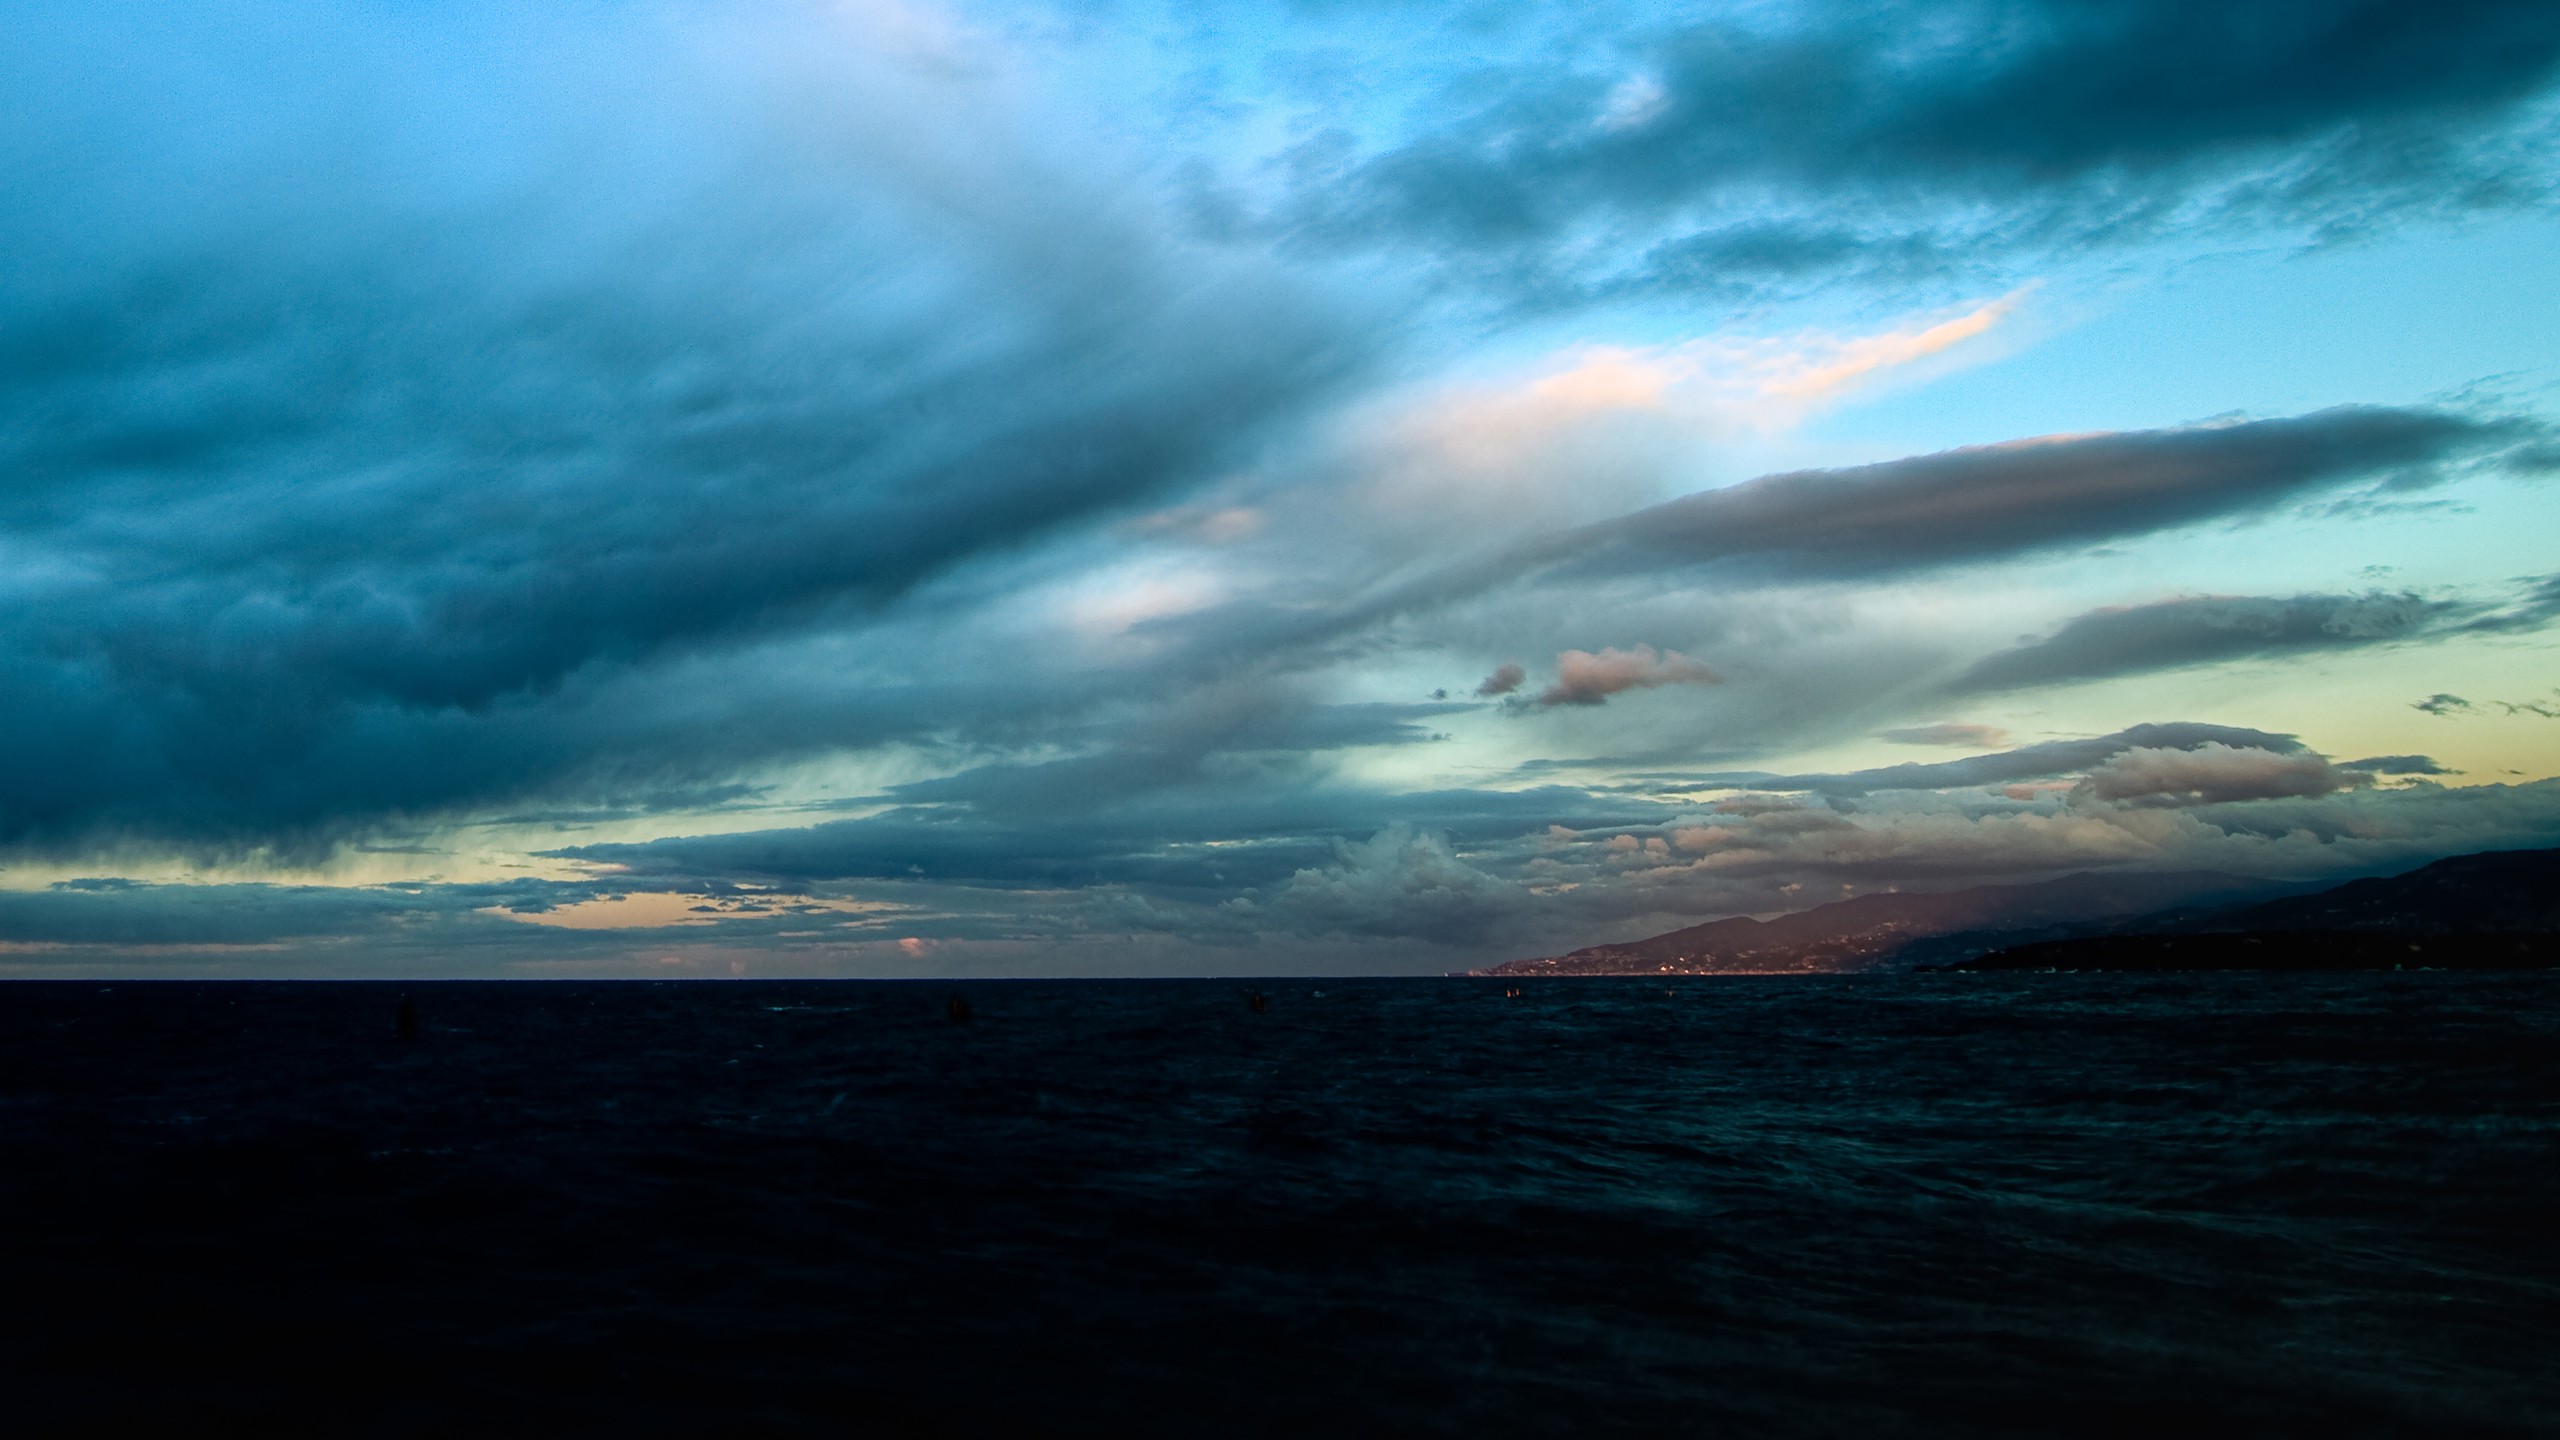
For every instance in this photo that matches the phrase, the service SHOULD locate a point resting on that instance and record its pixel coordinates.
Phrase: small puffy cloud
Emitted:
(2442, 704)
(1583, 678)
(1977, 737)
(1633, 103)
(2215, 774)
(1505, 678)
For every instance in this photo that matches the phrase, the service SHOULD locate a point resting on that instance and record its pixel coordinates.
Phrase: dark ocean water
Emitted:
(1924, 1205)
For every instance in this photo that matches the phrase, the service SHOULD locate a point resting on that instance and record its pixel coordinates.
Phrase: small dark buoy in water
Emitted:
(408, 1018)
(958, 1009)
(1261, 1004)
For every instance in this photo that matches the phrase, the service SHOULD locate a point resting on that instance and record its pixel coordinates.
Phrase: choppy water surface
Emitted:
(1923, 1205)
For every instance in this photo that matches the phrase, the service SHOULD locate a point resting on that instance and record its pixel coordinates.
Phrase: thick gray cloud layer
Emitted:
(2196, 630)
(2216, 774)
(1962, 127)
(1200, 840)
(2040, 761)
(1976, 505)
(2000, 500)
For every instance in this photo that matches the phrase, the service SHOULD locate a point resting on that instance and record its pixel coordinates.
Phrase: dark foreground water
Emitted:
(1922, 1205)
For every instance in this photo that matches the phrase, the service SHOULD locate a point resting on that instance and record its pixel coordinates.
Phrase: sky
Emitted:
(1069, 487)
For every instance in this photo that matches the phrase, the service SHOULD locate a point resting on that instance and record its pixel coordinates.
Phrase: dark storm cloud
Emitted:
(351, 470)
(2028, 762)
(1963, 124)
(1993, 501)
(2196, 630)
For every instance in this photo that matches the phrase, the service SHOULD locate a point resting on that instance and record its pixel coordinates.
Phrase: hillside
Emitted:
(2497, 890)
(2499, 909)
(1872, 931)
(2285, 950)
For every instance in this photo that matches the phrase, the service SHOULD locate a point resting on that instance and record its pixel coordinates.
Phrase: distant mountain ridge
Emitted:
(2495, 890)
(1869, 932)
(2499, 909)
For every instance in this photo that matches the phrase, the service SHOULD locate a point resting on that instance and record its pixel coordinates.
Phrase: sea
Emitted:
(1914, 1205)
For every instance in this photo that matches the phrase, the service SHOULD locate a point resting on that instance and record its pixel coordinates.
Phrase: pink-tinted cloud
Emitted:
(2215, 774)
(1505, 679)
(1583, 678)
